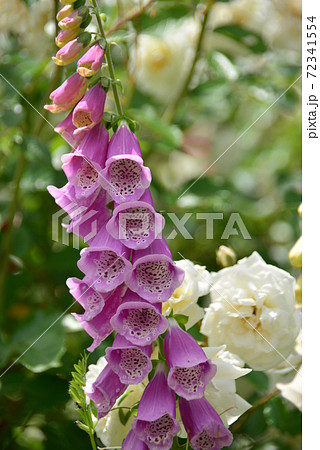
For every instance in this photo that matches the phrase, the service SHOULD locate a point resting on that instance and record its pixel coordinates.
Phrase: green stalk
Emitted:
(109, 61)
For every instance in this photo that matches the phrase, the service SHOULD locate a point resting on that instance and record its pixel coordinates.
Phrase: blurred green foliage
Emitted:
(258, 177)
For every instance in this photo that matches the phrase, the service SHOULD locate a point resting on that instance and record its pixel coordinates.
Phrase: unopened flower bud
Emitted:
(72, 50)
(74, 19)
(64, 12)
(66, 2)
(295, 254)
(68, 94)
(90, 62)
(66, 36)
(226, 257)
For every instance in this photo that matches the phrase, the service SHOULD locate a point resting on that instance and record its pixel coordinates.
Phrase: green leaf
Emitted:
(258, 379)
(181, 319)
(124, 417)
(251, 40)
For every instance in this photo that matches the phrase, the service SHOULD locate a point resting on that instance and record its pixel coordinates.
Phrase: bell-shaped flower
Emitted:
(66, 36)
(133, 442)
(156, 423)
(84, 164)
(203, 425)
(154, 275)
(66, 129)
(105, 391)
(189, 368)
(90, 220)
(64, 12)
(106, 262)
(129, 361)
(72, 50)
(90, 63)
(99, 326)
(89, 110)
(125, 176)
(68, 94)
(74, 19)
(136, 224)
(139, 321)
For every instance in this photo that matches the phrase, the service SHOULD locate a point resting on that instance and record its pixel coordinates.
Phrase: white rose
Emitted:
(253, 312)
(196, 283)
(109, 429)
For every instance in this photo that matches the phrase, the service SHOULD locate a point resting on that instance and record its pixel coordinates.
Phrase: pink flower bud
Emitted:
(89, 111)
(68, 94)
(91, 61)
(74, 19)
(64, 12)
(65, 36)
(72, 50)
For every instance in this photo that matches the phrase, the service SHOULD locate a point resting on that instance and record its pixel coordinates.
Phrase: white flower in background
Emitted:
(292, 391)
(160, 64)
(221, 391)
(196, 284)
(253, 311)
(109, 429)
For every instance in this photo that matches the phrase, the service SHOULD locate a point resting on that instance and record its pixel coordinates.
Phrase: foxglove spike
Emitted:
(130, 362)
(154, 276)
(156, 423)
(203, 425)
(83, 165)
(90, 62)
(105, 391)
(133, 442)
(99, 326)
(89, 110)
(68, 94)
(89, 221)
(66, 129)
(139, 321)
(189, 368)
(125, 176)
(136, 224)
(106, 262)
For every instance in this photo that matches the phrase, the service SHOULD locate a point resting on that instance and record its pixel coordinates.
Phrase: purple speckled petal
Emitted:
(155, 423)
(125, 176)
(89, 111)
(129, 361)
(154, 275)
(99, 327)
(105, 391)
(139, 321)
(132, 442)
(203, 425)
(189, 368)
(65, 198)
(136, 224)
(106, 261)
(89, 221)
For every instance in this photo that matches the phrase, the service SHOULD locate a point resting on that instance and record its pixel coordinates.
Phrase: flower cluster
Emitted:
(128, 268)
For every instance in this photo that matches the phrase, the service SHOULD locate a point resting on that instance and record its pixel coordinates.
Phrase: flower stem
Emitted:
(171, 110)
(109, 61)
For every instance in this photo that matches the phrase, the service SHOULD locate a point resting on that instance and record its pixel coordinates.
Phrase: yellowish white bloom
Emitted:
(196, 284)
(292, 391)
(161, 63)
(253, 311)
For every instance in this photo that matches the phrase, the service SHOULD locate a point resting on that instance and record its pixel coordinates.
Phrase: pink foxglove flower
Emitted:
(65, 198)
(89, 110)
(66, 129)
(139, 321)
(129, 361)
(90, 63)
(154, 275)
(99, 327)
(66, 36)
(68, 94)
(85, 294)
(203, 425)
(125, 176)
(90, 220)
(136, 224)
(105, 391)
(189, 368)
(72, 50)
(74, 20)
(156, 422)
(106, 262)
(84, 164)
(133, 442)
